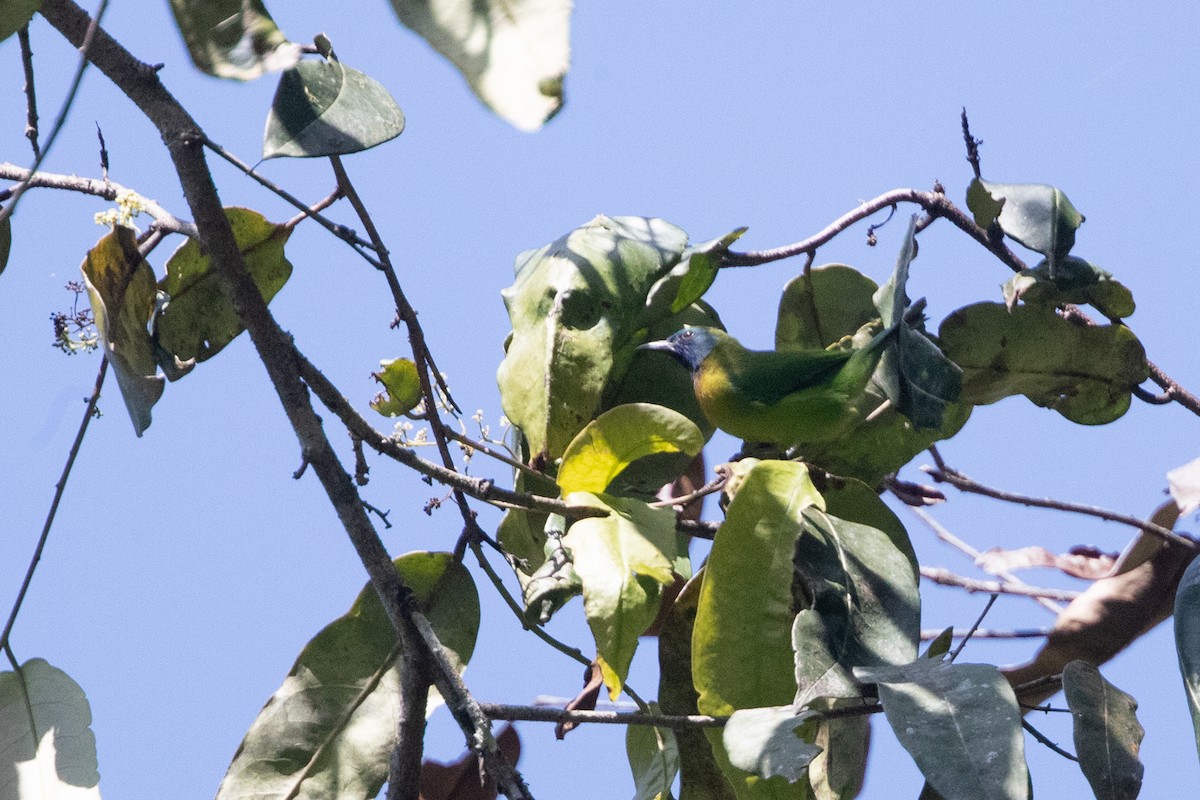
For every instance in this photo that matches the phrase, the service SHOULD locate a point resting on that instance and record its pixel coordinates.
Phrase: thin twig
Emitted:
(315, 208)
(487, 450)
(972, 145)
(31, 112)
(712, 487)
(961, 482)
(543, 714)
(85, 45)
(1035, 733)
(971, 631)
(985, 633)
(59, 488)
(945, 577)
(949, 538)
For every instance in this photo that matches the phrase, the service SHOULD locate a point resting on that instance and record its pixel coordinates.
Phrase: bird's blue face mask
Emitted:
(691, 345)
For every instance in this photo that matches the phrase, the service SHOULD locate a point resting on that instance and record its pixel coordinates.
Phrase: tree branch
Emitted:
(945, 577)
(184, 140)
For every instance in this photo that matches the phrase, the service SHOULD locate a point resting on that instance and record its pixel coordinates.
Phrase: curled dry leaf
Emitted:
(1081, 562)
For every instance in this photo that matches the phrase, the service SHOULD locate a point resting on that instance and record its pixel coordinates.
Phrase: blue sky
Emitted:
(187, 568)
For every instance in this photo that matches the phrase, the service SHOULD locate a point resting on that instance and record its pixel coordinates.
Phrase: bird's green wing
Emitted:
(767, 376)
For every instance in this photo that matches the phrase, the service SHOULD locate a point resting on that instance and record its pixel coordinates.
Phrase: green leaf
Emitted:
(838, 772)
(916, 376)
(121, 288)
(233, 38)
(1084, 373)
(1038, 216)
(513, 53)
(687, 281)
(1074, 281)
(5, 241)
(1187, 639)
(402, 387)
(960, 723)
(1107, 732)
(324, 108)
(575, 310)
(46, 740)
(615, 443)
(330, 728)
(940, 644)
(823, 306)
(199, 320)
(14, 15)
(623, 560)
(653, 758)
(862, 606)
(745, 601)
(768, 741)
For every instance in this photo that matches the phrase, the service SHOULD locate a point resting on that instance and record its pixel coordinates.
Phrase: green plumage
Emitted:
(784, 398)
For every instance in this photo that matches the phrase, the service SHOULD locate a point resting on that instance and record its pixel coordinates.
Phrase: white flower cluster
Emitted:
(129, 205)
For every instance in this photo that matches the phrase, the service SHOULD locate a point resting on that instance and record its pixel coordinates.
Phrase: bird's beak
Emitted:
(661, 344)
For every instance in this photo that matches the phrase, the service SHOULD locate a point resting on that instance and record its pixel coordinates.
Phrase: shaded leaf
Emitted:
(324, 108)
(837, 773)
(653, 758)
(5, 241)
(612, 447)
(861, 605)
(121, 289)
(940, 644)
(233, 38)
(1074, 281)
(1084, 373)
(1038, 216)
(402, 387)
(1107, 732)
(460, 780)
(330, 728)
(688, 280)
(199, 320)
(513, 53)
(623, 560)
(550, 586)
(1184, 484)
(575, 309)
(823, 306)
(915, 374)
(768, 743)
(1187, 640)
(46, 738)
(960, 723)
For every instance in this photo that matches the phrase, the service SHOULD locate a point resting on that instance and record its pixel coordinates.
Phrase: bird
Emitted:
(786, 398)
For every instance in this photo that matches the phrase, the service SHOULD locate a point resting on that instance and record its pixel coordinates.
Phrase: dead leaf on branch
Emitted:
(465, 779)
(1113, 611)
(1084, 562)
(593, 679)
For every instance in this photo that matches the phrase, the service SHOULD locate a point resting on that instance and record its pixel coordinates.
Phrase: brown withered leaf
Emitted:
(465, 779)
(1114, 611)
(585, 700)
(1084, 562)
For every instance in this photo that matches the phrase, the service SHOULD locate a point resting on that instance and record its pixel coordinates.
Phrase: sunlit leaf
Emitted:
(513, 53)
(330, 728)
(1038, 216)
(324, 108)
(1187, 639)
(46, 743)
(960, 723)
(402, 387)
(688, 280)
(575, 309)
(233, 38)
(121, 288)
(199, 320)
(1084, 373)
(1184, 483)
(14, 15)
(624, 560)
(1074, 281)
(653, 758)
(823, 306)
(1107, 732)
(768, 743)
(613, 444)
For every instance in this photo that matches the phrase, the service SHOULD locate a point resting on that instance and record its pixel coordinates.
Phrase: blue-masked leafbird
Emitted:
(787, 398)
